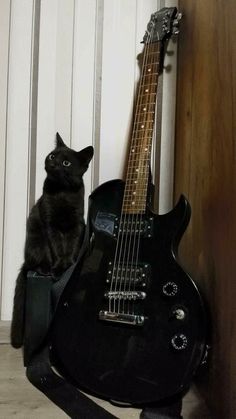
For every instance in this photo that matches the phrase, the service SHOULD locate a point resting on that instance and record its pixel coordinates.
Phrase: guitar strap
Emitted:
(42, 298)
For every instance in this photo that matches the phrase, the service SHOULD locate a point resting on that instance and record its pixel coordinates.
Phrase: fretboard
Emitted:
(137, 176)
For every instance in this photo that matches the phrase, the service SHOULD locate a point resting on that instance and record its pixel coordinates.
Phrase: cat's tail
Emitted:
(18, 316)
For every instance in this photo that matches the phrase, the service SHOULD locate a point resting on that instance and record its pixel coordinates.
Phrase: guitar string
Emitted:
(120, 238)
(139, 219)
(136, 217)
(134, 227)
(127, 218)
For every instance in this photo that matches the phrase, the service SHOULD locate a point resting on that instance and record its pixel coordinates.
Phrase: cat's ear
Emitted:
(59, 141)
(86, 155)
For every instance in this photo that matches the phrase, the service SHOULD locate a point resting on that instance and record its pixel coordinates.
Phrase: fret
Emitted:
(148, 65)
(143, 124)
(135, 204)
(140, 205)
(137, 199)
(141, 138)
(145, 113)
(133, 175)
(156, 52)
(144, 120)
(137, 174)
(140, 171)
(134, 199)
(149, 75)
(145, 103)
(145, 93)
(150, 84)
(130, 188)
(131, 193)
(135, 151)
(151, 71)
(142, 130)
(134, 211)
(134, 194)
(134, 163)
(141, 152)
(152, 53)
(132, 204)
(137, 181)
(130, 179)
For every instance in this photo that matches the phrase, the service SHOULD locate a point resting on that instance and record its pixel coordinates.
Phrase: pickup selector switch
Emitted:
(179, 341)
(170, 289)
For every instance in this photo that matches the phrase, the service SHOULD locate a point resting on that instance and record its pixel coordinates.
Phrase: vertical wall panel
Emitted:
(55, 79)
(84, 73)
(46, 87)
(118, 72)
(64, 68)
(17, 147)
(5, 10)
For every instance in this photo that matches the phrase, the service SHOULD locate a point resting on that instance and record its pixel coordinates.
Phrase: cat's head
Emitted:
(66, 166)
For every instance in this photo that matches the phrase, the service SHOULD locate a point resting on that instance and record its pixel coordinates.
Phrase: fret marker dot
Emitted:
(132, 150)
(146, 90)
(135, 181)
(136, 170)
(144, 109)
(149, 69)
(133, 203)
(142, 126)
(146, 149)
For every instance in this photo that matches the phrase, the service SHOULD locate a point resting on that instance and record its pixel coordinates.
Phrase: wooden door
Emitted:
(205, 172)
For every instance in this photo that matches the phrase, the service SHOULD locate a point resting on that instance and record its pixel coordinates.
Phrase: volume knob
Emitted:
(170, 289)
(179, 341)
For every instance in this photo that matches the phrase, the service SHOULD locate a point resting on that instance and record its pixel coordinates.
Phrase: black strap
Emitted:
(62, 393)
(41, 301)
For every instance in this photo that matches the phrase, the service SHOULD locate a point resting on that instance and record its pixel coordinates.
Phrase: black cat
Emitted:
(55, 227)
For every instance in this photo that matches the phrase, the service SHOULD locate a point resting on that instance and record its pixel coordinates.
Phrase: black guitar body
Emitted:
(151, 353)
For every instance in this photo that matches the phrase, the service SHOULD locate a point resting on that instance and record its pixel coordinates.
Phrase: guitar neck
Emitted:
(137, 175)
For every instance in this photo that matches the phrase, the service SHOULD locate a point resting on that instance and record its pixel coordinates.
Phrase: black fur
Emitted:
(55, 226)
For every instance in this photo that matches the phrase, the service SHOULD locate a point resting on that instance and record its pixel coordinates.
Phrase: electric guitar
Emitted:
(131, 324)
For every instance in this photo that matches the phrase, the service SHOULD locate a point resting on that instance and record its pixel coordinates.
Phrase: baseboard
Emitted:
(4, 331)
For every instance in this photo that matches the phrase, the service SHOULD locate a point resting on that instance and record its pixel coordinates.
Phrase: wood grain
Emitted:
(205, 171)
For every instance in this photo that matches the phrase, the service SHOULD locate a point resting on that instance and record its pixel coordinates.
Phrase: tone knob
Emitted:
(179, 341)
(170, 289)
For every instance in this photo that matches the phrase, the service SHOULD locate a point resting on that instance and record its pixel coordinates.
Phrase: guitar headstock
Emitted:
(162, 25)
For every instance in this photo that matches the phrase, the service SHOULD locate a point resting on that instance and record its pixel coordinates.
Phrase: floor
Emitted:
(19, 399)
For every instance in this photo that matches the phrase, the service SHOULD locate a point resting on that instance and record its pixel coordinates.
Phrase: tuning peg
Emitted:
(176, 31)
(177, 19)
(179, 16)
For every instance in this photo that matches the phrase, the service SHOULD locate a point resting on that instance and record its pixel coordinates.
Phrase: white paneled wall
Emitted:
(69, 66)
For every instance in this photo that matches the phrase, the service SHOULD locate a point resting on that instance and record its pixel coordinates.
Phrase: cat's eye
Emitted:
(66, 163)
(51, 156)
